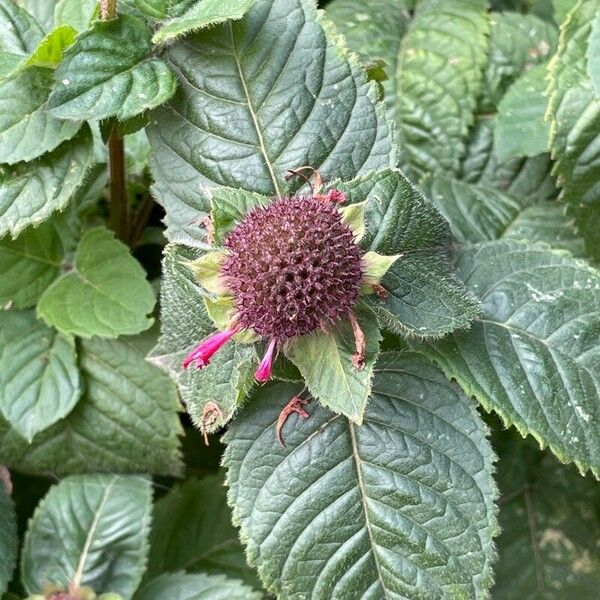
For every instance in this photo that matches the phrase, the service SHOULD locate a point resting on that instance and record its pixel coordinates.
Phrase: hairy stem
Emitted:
(108, 9)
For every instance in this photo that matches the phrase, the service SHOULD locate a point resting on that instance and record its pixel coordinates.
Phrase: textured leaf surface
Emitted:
(270, 92)
(521, 129)
(436, 92)
(29, 265)
(105, 294)
(400, 505)
(192, 530)
(325, 361)
(39, 378)
(593, 55)
(159, 10)
(184, 323)
(200, 15)
(125, 422)
(550, 528)
(26, 129)
(574, 111)
(107, 72)
(181, 586)
(31, 192)
(534, 356)
(9, 542)
(425, 299)
(42, 11)
(20, 34)
(75, 13)
(91, 530)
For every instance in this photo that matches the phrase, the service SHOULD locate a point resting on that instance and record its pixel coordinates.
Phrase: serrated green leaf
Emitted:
(270, 92)
(197, 506)
(108, 73)
(158, 10)
(374, 29)
(75, 13)
(31, 192)
(382, 510)
(533, 358)
(51, 49)
(39, 378)
(520, 128)
(425, 299)
(105, 294)
(122, 393)
(19, 31)
(29, 265)
(26, 129)
(436, 93)
(547, 222)
(200, 15)
(181, 586)
(325, 360)
(574, 111)
(184, 323)
(550, 527)
(89, 530)
(9, 541)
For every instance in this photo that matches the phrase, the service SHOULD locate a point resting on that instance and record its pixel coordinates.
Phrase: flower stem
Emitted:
(108, 9)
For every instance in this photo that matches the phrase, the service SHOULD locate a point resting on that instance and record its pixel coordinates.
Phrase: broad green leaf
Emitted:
(26, 129)
(89, 530)
(475, 214)
(125, 422)
(425, 299)
(51, 49)
(400, 505)
(19, 32)
(574, 111)
(42, 11)
(192, 530)
(518, 42)
(521, 129)
(533, 358)
(31, 192)
(158, 10)
(273, 91)
(374, 29)
(325, 360)
(200, 15)
(562, 9)
(550, 527)
(436, 92)
(108, 73)
(9, 542)
(184, 324)
(29, 265)
(593, 54)
(105, 293)
(181, 586)
(39, 378)
(547, 222)
(75, 13)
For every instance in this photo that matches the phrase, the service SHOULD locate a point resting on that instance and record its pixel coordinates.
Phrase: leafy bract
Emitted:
(31, 192)
(273, 91)
(436, 92)
(39, 378)
(125, 422)
(89, 530)
(9, 542)
(108, 73)
(533, 358)
(574, 111)
(105, 294)
(382, 510)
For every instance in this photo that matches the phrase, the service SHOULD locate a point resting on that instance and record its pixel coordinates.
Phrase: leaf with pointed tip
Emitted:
(39, 378)
(533, 358)
(89, 530)
(108, 73)
(249, 107)
(436, 93)
(122, 393)
(9, 541)
(181, 586)
(202, 14)
(106, 293)
(50, 50)
(31, 192)
(26, 129)
(401, 504)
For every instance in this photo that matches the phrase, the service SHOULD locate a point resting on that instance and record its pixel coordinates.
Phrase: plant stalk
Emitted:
(108, 9)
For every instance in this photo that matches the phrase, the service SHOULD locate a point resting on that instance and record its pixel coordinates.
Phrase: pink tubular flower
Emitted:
(263, 373)
(202, 354)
